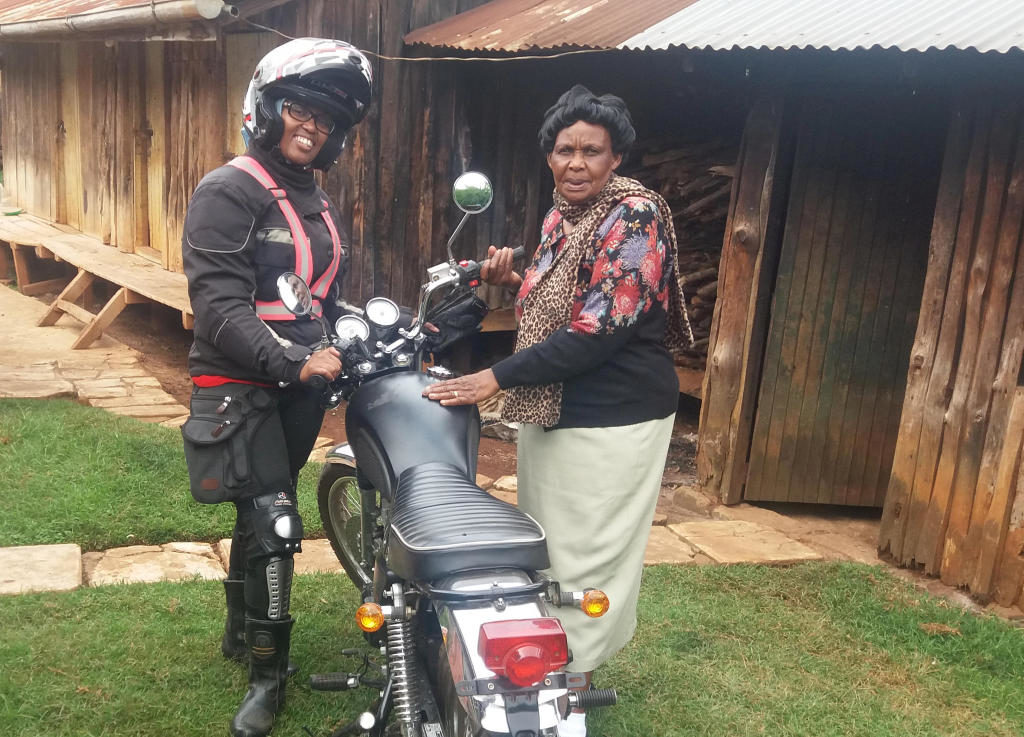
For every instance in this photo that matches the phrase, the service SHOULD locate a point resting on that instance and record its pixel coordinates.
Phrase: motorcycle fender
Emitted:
(460, 626)
(342, 453)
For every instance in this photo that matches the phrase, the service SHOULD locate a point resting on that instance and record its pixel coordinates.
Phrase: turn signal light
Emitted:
(595, 603)
(370, 617)
(524, 650)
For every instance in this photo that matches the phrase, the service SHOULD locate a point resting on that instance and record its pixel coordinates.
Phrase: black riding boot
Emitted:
(233, 642)
(268, 642)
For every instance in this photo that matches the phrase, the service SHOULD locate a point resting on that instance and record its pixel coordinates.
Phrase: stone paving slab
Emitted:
(152, 413)
(665, 547)
(151, 563)
(507, 483)
(743, 542)
(41, 389)
(317, 556)
(30, 568)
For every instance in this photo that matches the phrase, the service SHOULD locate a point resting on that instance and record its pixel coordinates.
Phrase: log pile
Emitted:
(696, 181)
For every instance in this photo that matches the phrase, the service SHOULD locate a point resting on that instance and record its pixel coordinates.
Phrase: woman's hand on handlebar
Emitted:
(325, 363)
(497, 269)
(468, 389)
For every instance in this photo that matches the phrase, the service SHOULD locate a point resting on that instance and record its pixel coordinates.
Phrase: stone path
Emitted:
(39, 363)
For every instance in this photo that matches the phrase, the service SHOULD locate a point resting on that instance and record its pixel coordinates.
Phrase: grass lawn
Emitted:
(83, 475)
(820, 650)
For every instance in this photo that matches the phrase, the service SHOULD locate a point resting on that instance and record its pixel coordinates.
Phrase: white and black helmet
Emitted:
(327, 74)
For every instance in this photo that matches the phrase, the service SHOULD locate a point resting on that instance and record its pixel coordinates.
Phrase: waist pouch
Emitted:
(221, 439)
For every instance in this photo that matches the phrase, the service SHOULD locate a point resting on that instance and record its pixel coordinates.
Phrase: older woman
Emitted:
(592, 380)
(255, 415)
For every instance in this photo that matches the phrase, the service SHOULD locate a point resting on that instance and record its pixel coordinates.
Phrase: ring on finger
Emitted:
(455, 393)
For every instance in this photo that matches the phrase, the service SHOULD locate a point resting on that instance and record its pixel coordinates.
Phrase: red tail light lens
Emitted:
(524, 650)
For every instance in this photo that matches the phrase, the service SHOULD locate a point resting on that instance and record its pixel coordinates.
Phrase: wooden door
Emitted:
(844, 310)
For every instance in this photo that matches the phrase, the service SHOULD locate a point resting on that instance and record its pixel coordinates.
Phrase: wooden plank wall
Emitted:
(132, 174)
(846, 296)
(31, 128)
(749, 259)
(955, 505)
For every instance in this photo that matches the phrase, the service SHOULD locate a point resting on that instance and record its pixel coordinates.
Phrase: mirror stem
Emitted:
(458, 228)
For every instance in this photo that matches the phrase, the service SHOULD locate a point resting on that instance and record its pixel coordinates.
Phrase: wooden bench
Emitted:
(138, 279)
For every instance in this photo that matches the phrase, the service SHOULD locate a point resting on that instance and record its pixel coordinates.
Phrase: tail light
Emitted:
(524, 650)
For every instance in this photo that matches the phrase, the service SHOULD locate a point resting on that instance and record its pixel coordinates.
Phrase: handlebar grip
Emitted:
(518, 252)
(317, 382)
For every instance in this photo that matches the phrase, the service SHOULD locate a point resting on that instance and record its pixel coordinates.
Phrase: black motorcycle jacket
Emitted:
(235, 244)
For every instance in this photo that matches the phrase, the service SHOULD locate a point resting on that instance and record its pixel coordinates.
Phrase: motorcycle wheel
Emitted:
(341, 509)
(456, 721)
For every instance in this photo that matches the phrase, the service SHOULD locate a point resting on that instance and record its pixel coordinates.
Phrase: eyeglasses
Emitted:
(323, 121)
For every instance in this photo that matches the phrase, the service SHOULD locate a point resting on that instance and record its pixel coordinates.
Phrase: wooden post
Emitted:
(121, 299)
(71, 293)
(739, 325)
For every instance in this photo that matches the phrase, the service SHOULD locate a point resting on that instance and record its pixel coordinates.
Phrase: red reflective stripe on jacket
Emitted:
(303, 250)
(208, 380)
(323, 284)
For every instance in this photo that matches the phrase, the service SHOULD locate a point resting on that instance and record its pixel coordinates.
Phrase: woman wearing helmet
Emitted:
(254, 416)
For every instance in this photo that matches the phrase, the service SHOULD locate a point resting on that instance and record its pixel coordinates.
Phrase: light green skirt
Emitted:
(594, 490)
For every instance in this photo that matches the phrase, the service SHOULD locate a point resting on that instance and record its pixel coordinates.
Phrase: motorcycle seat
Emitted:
(442, 523)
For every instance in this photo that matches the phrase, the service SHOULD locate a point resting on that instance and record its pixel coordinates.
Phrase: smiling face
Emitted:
(301, 141)
(582, 161)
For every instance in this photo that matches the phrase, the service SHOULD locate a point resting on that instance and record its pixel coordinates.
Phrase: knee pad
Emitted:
(275, 524)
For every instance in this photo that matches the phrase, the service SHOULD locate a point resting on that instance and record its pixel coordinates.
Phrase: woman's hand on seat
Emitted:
(469, 389)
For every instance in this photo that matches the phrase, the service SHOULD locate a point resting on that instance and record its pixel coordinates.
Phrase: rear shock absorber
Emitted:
(402, 664)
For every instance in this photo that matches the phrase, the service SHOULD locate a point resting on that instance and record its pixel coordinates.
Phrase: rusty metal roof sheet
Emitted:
(515, 25)
(908, 25)
(19, 11)
(45, 13)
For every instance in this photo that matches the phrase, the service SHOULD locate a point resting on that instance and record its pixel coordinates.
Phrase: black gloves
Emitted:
(459, 315)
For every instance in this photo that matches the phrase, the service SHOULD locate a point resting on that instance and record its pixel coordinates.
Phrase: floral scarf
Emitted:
(548, 305)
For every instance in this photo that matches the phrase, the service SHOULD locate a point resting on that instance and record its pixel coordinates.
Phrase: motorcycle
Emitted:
(449, 575)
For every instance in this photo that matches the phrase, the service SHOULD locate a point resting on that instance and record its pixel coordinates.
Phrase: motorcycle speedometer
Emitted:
(382, 312)
(351, 327)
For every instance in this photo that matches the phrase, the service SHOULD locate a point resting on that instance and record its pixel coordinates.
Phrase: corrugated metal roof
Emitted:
(908, 25)
(515, 25)
(19, 11)
(43, 13)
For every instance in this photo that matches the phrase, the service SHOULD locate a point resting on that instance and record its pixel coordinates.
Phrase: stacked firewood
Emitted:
(696, 180)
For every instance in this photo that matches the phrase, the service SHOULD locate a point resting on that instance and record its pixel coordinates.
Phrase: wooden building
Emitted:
(108, 126)
(866, 344)
(859, 210)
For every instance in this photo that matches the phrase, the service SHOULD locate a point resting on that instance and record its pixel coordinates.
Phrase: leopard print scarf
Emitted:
(548, 305)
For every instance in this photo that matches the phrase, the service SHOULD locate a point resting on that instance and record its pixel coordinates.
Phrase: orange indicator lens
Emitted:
(369, 617)
(595, 603)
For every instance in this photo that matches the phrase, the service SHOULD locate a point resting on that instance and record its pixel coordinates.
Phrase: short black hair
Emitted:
(578, 104)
